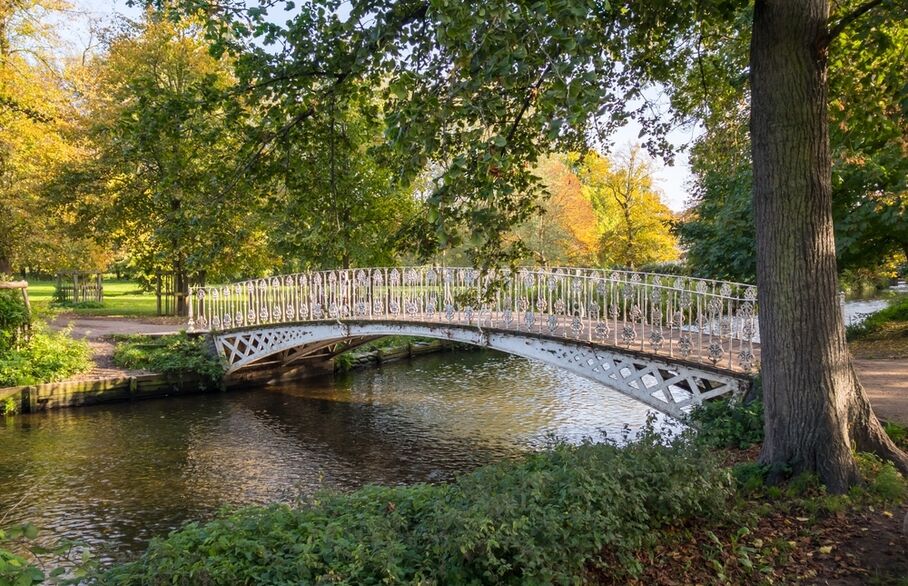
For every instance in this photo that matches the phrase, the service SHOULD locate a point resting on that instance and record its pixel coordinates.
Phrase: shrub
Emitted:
(882, 479)
(13, 317)
(23, 562)
(666, 268)
(727, 424)
(176, 354)
(546, 519)
(750, 476)
(45, 357)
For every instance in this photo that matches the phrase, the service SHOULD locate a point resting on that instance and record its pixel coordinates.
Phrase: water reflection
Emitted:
(117, 475)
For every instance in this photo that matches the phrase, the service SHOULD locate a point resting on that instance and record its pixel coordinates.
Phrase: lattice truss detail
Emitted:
(667, 386)
(241, 348)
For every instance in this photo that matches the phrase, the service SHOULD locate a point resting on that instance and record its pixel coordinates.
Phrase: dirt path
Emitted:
(93, 328)
(886, 384)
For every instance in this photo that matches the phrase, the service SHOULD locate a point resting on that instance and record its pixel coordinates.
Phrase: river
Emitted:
(114, 476)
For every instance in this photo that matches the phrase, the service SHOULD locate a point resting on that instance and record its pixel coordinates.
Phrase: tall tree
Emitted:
(36, 110)
(336, 202)
(868, 138)
(165, 133)
(565, 231)
(814, 404)
(634, 223)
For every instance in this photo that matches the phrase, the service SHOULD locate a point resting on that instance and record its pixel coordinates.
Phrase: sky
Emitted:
(671, 180)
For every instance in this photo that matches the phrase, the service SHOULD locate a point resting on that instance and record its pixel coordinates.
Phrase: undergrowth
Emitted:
(25, 562)
(176, 354)
(43, 357)
(897, 311)
(728, 424)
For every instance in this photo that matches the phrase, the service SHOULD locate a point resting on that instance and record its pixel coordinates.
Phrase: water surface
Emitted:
(116, 475)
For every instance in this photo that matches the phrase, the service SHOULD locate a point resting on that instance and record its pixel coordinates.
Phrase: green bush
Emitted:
(727, 424)
(547, 519)
(883, 480)
(45, 357)
(666, 268)
(176, 354)
(897, 432)
(13, 317)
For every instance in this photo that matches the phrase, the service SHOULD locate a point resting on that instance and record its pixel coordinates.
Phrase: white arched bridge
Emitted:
(671, 342)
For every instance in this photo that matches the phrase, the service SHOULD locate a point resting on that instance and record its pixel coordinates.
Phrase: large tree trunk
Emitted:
(814, 405)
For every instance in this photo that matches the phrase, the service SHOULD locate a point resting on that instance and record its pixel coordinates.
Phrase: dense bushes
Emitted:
(13, 315)
(44, 357)
(546, 519)
(41, 356)
(176, 354)
(24, 562)
(727, 424)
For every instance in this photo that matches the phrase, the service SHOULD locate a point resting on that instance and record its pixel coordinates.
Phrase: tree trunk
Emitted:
(814, 405)
(6, 267)
(180, 289)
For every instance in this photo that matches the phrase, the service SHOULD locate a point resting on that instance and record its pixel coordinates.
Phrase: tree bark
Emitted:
(814, 405)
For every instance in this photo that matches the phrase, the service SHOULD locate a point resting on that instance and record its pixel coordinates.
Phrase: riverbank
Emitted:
(109, 382)
(660, 511)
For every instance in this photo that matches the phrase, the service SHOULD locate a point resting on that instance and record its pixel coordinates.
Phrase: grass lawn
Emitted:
(120, 298)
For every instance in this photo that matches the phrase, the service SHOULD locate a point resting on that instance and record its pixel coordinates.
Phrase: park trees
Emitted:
(164, 139)
(36, 112)
(565, 231)
(868, 134)
(599, 211)
(634, 224)
(335, 202)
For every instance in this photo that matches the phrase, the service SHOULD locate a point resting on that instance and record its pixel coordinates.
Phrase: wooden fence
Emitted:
(75, 287)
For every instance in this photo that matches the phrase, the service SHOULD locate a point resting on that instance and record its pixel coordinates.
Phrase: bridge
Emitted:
(670, 342)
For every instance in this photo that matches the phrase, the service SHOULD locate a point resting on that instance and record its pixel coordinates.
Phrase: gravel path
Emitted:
(93, 328)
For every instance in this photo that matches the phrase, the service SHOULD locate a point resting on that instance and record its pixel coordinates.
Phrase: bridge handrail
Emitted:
(702, 320)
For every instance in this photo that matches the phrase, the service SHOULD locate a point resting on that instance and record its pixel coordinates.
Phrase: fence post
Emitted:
(190, 325)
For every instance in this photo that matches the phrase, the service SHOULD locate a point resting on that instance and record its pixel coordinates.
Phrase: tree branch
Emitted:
(849, 18)
(528, 99)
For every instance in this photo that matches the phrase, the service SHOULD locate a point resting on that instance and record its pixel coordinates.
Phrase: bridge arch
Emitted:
(671, 387)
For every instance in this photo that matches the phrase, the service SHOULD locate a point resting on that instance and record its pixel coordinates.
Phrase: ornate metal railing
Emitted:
(700, 320)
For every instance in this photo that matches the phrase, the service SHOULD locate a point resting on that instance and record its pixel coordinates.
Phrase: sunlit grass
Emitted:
(121, 298)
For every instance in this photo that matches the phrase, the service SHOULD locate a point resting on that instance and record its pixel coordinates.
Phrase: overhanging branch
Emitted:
(843, 23)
